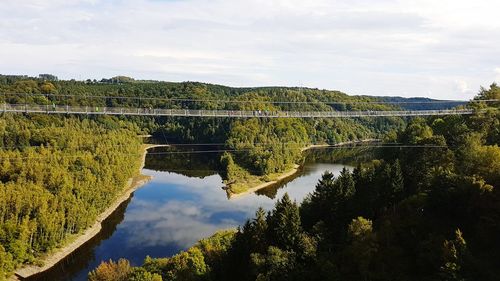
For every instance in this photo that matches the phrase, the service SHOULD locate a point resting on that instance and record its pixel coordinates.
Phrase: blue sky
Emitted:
(442, 49)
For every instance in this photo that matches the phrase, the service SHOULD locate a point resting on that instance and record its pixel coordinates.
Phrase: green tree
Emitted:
(276, 264)
(6, 264)
(361, 252)
(185, 266)
(284, 228)
(140, 274)
(453, 255)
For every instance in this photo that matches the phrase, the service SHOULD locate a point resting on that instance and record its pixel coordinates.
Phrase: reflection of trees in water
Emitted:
(348, 156)
(80, 259)
(272, 190)
(199, 165)
(335, 155)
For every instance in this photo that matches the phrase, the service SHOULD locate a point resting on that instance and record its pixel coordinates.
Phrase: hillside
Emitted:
(260, 141)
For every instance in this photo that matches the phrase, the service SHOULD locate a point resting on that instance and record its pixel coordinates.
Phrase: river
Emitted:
(183, 203)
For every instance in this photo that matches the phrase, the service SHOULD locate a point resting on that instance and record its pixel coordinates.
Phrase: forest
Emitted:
(259, 140)
(431, 212)
(56, 176)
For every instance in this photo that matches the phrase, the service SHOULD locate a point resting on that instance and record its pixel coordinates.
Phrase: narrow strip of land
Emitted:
(295, 169)
(284, 176)
(51, 259)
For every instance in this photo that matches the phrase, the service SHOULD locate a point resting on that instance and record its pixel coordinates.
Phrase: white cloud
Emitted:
(462, 86)
(361, 47)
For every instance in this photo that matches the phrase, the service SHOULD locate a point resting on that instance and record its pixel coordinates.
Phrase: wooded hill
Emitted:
(261, 141)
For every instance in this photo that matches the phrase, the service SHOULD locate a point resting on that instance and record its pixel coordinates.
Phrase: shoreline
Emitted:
(282, 177)
(296, 169)
(58, 254)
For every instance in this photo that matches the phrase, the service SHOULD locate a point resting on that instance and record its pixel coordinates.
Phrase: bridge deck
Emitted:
(63, 109)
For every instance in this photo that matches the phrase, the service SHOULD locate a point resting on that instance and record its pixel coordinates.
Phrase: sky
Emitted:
(443, 49)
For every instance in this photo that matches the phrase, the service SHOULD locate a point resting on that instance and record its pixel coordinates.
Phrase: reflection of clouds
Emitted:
(172, 222)
(177, 179)
(181, 208)
(230, 222)
(202, 209)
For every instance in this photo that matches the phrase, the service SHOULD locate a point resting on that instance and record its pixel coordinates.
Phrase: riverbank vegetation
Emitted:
(56, 176)
(421, 213)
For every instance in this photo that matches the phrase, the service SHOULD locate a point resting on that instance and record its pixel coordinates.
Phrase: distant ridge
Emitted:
(419, 103)
(313, 95)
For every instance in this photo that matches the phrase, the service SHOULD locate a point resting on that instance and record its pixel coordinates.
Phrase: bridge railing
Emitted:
(46, 108)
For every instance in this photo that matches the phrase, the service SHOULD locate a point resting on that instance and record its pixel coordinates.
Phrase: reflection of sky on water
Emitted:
(177, 211)
(172, 212)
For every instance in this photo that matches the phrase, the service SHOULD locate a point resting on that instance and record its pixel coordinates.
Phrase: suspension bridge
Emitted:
(128, 111)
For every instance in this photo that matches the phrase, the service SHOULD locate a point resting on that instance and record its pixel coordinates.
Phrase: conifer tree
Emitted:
(284, 226)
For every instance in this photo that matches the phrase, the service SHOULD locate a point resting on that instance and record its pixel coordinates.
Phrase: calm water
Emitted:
(183, 203)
